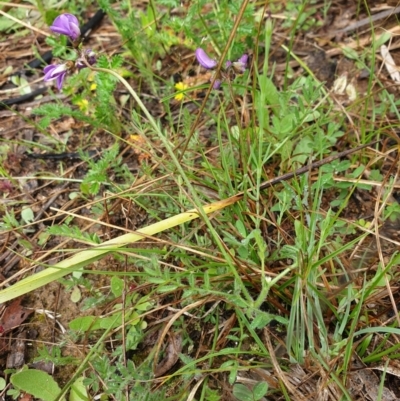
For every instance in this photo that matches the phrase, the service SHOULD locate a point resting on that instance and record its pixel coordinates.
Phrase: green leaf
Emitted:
(358, 171)
(167, 288)
(241, 228)
(350, 53)
(37, 383)
(233, 373)
(237, 301)
(286, 124)
(83, 323)
(242, 393)
(78, 391)
(381, 40)
(261, 320)
(117, 286)
(303, 150)
(22, 83)
(76, 295)
(271, 93)
(27, 215)
(114, 320)
(310, 116)
(259, 390)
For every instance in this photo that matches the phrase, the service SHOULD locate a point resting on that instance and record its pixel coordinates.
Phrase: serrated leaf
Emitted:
(116, 62)
(37, 383)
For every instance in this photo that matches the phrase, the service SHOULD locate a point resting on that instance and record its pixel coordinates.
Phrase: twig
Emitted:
(369, 20)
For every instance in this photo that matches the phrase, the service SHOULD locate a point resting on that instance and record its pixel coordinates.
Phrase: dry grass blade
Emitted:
(279, 372)
(18, 21)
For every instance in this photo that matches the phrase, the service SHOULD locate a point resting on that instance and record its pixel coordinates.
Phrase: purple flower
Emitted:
(217, 83)
(241, 64)
(67, 24)
(89, 55)
(207, 62)
(56, 71)
(204, 60)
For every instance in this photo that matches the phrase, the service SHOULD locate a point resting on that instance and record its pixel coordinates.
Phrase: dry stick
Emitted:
(307, 168)
(169, 325)
(369, 20)
(279, 372)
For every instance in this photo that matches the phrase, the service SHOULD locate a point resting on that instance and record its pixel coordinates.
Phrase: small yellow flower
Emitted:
(180, 86)
(83, 105)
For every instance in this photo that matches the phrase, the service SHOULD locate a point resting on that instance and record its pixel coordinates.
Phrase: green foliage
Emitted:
(243, 393)
(100, 170)
(60, 48)
(9, 221)
(56, 110)
(78, 391)
(37, 383)
(303, 13)
(135, 36)
(105, 109)
(54, 355)
(116, 377)
(73, 232)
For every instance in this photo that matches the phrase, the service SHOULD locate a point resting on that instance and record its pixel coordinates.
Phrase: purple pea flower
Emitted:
(241, 65)
(56, 71)
(67, 24)
(89, 55)
(204, 60)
